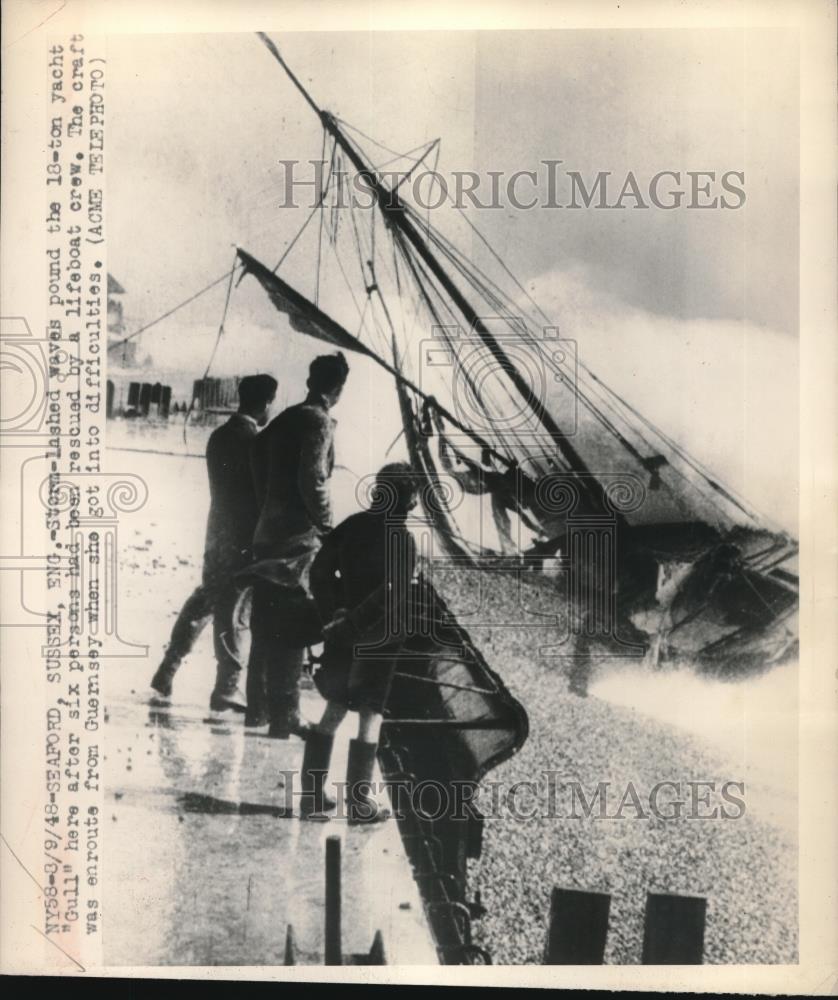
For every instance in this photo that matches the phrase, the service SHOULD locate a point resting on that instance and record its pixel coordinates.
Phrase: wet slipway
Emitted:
(192, 882)
(203, 868)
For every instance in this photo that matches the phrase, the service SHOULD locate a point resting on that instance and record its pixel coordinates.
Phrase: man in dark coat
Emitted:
(292, 464)
(232, 519)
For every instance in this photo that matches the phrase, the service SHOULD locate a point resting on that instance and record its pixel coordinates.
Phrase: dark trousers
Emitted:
(275, 664)
(214, 599)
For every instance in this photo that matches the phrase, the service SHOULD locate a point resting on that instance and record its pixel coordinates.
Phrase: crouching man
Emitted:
(360, 581)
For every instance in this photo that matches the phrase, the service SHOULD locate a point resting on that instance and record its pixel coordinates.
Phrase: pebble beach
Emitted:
(634, 725)
(744, 865)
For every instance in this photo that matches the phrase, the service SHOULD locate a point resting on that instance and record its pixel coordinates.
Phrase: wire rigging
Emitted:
(174, 309)
(600, 388)
(218, 337)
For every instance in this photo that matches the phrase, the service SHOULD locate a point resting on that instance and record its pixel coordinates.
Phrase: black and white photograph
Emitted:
(426, 516)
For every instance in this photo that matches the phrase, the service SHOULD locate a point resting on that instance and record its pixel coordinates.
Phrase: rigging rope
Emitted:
(369, 138)
(317, 204)
(600, 387)
(419, 162)
(214, 349)
(320, 201)
(174, 309)
(413, 265)
(426, 146)
(492, 293)
(496, 297)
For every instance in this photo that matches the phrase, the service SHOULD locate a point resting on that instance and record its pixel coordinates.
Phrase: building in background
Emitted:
(216, 395)
(130, 392)
(137, 389)
(120, 355)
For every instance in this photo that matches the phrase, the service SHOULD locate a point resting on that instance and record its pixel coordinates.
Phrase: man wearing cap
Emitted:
(292, 464)
(232, 519)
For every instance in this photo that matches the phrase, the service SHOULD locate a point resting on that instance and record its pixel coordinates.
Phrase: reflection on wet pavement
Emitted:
(192, 802)
(202, 865)
(208, 865)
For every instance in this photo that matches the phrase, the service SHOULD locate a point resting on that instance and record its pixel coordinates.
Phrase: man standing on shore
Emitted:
(232, 519)
(292, 465)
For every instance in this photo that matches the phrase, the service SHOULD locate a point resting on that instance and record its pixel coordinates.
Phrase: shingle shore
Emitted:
(745, 868)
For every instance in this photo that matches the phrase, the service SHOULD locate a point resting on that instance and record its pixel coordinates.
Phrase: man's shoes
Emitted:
(162, 680)
(255, 719)
(289, 724)
(234, 701)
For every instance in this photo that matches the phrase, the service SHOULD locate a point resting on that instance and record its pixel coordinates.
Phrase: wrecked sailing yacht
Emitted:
(533, 465)
(532, 461)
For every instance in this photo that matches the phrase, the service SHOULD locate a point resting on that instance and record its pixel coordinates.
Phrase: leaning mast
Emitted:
(394, 212)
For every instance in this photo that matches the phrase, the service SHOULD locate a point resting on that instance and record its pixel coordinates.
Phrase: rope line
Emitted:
(214, 348)
(174, 309)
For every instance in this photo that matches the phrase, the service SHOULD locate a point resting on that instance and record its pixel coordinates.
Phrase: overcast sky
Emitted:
(198, 124)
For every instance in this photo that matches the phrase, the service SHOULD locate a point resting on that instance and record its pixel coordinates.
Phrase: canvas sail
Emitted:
(524, 438)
